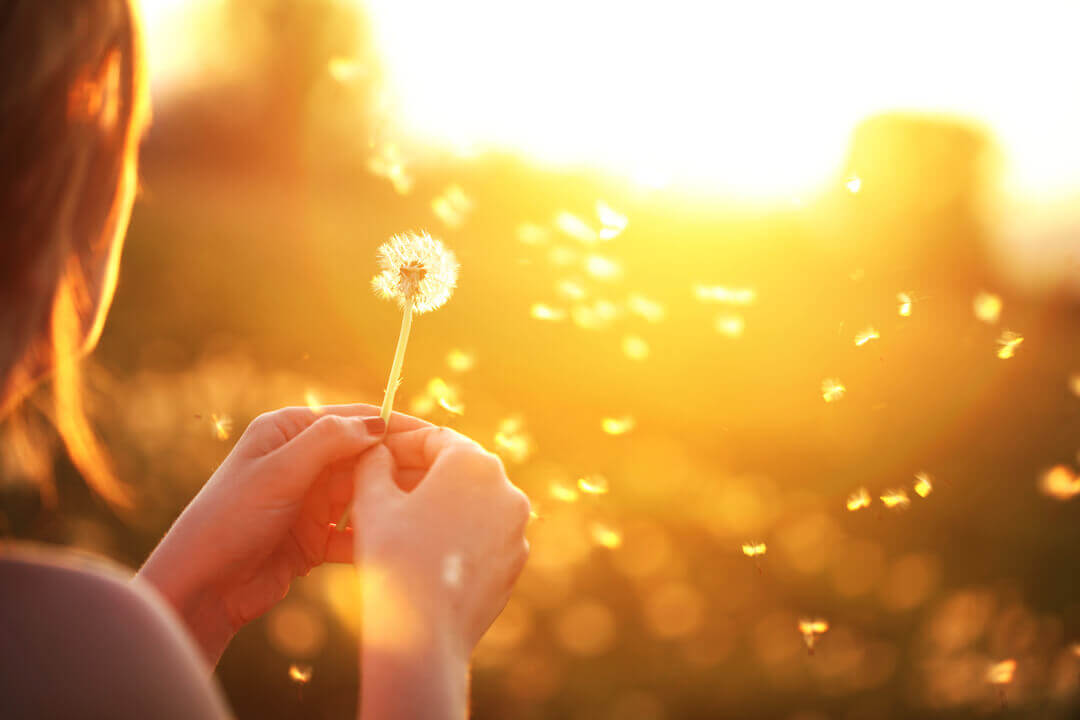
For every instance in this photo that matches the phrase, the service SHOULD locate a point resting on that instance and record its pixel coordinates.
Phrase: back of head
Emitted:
(73, 105)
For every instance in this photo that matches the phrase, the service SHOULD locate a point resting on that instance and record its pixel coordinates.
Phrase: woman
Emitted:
(80, 639)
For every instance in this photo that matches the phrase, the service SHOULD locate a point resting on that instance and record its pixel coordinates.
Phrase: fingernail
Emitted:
(375, 425)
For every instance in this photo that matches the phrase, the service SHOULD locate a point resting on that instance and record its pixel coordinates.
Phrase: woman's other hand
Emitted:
(265, 517)
(437, 563)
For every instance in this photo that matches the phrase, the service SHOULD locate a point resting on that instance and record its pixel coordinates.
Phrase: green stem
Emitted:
(391, 385)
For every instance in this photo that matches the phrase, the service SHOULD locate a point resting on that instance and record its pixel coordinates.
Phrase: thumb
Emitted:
(325, 441)
(375, 479)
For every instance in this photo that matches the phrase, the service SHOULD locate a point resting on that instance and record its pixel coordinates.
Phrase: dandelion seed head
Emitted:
(452, 207)
(416, 268)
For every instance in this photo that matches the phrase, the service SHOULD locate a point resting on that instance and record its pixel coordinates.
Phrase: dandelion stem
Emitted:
(391, 385)
(399, 360)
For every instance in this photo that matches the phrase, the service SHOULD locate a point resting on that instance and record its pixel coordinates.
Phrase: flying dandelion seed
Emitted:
(452, 408)
(602, 268)
(923, 484)
(853, 184)
(312, 402)
(866, 336)
(643, 307)
(729, 325)
(511, 440)
(598, 315)
(540, 311)
(300, 674)
(811, 630)
(617, 425)
(345, 70)
(614, 222)
(1001, 673)
(452, 206)
(1008, 341)
(1060, 483)
(573, 226)
(563, 493)
(896, 499)
(387, 163)
(460, 361)
(1074, 384)
(223, 425)
(905, 302)
(532, 234)
(593, 485)
(562, 256)
(571, 289)
(753, 549)
(635, 347)
(605, 535)
(858, 500)
(832, 390)
(988, 307)
(724, 295)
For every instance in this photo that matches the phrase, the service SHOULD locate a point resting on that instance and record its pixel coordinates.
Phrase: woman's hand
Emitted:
(438, 564)
(265, 517)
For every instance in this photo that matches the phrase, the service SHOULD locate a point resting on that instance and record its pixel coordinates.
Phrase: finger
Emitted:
(327, 440)
(304, 416)
(339, 547)
(420, 448)
(374, 480)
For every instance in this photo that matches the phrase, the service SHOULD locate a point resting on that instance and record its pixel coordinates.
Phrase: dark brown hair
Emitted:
(72, 110)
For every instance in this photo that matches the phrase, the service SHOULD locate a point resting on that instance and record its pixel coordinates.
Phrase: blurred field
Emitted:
(245, 287)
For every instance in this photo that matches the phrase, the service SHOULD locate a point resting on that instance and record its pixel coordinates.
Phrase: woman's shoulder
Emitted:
(78, 637)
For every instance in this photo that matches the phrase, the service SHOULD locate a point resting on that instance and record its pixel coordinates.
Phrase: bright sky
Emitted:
(752, 99)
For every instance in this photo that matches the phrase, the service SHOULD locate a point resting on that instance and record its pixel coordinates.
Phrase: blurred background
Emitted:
(804, 279)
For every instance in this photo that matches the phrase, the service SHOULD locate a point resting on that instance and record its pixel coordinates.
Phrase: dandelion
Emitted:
(605, 535)
(729, 324)
(905, 299)
(832, 390)
(858, 500)
(643, 307)
(593, 484)
(1008, 341)
(222, 426)
(1060, 483)
(419, 273)
(988, 307)
(896, 499)
(866, 336)
(563, 493)
(460, 360)
(540, 311)
(613, 222)
(853, 184)
(452, 206)
(810, 630)
(923, 484)
(635, 347)
(617, 425)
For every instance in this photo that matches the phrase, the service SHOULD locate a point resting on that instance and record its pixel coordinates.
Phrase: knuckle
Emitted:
(519, 502)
